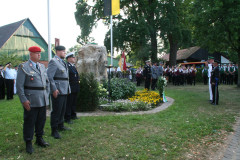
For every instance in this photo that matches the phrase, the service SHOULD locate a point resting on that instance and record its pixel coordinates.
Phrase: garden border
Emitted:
(162, 107)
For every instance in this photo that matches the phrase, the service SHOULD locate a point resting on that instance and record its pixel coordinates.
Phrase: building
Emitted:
(16, 38)
(193, 54)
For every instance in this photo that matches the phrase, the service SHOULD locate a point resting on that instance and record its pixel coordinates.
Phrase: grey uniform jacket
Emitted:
(58, 76)
(155, 73)
(32, 84)
(160, 71)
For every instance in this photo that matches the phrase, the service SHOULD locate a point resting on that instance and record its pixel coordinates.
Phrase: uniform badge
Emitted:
(63, 71)
(30, 64)
(31, 78)
(31, 72)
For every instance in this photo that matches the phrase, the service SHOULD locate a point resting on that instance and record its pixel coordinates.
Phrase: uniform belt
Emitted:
(34, 88)
(59, 78)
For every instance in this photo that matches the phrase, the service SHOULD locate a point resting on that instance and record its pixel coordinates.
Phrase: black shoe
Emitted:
(40, 142)
(63, 128)
(69, 122)
(29, 148)
(55, 134)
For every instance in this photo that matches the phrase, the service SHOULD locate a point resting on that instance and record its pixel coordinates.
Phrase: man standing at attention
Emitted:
(215, 82)
(58, 76)
(33, 91)
(210, 62)
(74, 84)
(147, 74)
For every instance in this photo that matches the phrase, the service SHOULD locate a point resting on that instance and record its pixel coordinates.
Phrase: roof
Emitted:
(8, 30)
(183, 53)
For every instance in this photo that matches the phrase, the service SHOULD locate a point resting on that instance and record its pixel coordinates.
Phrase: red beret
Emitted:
(34, 49)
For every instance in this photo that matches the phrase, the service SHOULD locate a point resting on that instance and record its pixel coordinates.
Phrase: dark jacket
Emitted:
(73, 78)
(215, 74)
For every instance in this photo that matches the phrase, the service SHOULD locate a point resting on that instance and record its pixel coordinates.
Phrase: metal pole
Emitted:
(111, 41)
(49, 33)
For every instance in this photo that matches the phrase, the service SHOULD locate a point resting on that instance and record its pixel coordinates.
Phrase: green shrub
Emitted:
(127, 106)
(88, 97)
(121, 88)
(199, 77)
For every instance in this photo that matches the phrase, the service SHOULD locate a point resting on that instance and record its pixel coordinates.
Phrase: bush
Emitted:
(127, 106)
(88, 97)
(121, 88)
(199, 77)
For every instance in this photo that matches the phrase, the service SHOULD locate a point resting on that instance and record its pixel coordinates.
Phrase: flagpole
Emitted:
(49, 33)
(111, 41)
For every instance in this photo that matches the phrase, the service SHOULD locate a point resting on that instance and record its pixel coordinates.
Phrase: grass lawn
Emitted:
(171, 134)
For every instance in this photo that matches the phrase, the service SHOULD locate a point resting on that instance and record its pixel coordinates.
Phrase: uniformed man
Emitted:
(147, 74)
(2, 83)
(33, 91)
(155, 75)
(215, 83)
(74, 84)
(59, 84)
(210, 62)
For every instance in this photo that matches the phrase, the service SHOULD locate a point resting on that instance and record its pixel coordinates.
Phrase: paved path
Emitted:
(162, 107)
(232, 151)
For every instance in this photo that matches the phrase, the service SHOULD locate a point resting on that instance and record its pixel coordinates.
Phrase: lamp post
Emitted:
(109, 85)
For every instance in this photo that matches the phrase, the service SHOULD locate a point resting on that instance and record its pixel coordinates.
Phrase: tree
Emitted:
(140, 26)
(217, 26)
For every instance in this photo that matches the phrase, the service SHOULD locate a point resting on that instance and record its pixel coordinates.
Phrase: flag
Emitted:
(57, 42)
(122, 62)
(111, 7)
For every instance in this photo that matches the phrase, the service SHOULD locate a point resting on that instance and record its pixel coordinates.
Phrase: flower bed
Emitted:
(141, 101)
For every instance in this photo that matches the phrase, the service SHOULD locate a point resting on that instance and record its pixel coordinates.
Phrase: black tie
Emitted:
(37, 67)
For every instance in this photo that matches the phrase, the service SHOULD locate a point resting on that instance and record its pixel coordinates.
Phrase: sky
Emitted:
(63, 23)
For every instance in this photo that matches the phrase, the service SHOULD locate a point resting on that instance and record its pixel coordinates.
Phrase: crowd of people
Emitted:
(177, 75)
(37, 86)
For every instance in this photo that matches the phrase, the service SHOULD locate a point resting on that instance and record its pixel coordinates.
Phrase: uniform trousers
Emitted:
(210, 88)
(58, 111)
(71, 107)
(154, 83)
(9, 86)
(147, 83)
(2, 88)
(215, 94)
(35, 118)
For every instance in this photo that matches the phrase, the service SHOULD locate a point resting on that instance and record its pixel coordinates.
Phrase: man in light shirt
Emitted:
(9, 75)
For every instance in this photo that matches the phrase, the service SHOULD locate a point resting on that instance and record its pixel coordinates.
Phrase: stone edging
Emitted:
(104, 113)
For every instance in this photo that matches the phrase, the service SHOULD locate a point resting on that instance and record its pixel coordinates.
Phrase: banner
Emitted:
(111, 7)
(122, 62)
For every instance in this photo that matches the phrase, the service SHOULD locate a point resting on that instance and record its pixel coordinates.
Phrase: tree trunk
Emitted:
(153, 46)
(173, 50)
(238, 83)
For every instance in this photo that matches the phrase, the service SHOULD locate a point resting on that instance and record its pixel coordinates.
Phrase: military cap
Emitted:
(210, 57)
(69, 55)
(147, 61)
(60, 48)
(34, 49)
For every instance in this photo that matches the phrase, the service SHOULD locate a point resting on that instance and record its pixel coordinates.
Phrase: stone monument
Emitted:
(92, 58)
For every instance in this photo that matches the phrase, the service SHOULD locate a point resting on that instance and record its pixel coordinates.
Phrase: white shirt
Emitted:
(9, 73)
(209, 70)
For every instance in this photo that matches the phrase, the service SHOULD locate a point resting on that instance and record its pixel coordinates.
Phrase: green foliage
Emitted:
(199, 77)
(140, 25)
(88, 97)
(13, 58)
(121, 88)
(127, 107)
